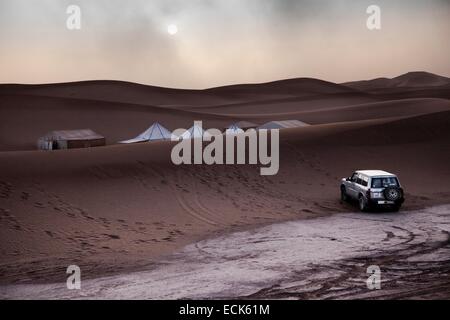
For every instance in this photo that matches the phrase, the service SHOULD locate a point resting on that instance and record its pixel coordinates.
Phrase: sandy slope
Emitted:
(118, 208)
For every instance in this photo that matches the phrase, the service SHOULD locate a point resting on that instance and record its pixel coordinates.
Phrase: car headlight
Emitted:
(377, 195)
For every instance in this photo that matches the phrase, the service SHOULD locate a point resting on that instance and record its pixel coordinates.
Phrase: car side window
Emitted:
(364, 181)
(354, 177)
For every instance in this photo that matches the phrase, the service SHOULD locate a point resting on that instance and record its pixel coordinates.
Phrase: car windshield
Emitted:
(384, 182)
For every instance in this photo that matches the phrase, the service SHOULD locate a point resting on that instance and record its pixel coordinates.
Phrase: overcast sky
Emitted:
(220, 41)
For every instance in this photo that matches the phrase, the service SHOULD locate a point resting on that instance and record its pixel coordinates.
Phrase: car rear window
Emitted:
(384, 182)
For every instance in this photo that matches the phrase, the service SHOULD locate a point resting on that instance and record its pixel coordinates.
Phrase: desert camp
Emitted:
(85, 138)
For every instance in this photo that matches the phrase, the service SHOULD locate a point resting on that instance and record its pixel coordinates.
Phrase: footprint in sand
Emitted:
(6, 216)
(5, 189)
(105, 221)
(25, 196)
(112, 236)
(50, 234)
(39, 205)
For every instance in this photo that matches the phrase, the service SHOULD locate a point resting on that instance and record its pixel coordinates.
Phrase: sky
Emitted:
(220, 42)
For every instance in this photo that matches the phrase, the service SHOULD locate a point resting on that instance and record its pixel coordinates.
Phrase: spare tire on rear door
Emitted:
(392, 193)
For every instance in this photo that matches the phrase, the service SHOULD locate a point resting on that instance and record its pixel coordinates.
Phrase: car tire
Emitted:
(392, 193)
(362, 204)
(344, 196)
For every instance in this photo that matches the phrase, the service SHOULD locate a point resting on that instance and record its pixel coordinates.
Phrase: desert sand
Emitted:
(321, 258)
(120, 208)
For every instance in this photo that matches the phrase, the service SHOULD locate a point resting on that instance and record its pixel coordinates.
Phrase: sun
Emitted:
(172, 29)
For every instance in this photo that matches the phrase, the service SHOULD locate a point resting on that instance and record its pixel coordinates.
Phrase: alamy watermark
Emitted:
(74, 279)
(374, 19)
(374, 280)
(227, 148)
(73, 21)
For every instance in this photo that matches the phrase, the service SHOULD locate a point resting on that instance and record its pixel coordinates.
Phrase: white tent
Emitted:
(283, 124)
(234, 129)
(155, 132)
(195, 132)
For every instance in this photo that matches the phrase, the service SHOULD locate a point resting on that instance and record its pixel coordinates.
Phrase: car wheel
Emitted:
(392, 193)
(362, 204)
(344, 196)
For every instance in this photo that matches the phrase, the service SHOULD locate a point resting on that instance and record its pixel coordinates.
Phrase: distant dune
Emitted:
(121, 110)
(118, 208)
(417, 79)
(292, 87)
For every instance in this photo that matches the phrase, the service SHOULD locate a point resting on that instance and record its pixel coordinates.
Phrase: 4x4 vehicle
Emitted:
(373, 188)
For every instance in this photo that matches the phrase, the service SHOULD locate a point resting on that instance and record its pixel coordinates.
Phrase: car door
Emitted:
(363, 182)
(351, 186)
(358, 186)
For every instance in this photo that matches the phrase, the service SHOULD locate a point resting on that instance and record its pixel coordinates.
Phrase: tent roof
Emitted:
(82, 134)
(155, 132)
(233, 129)
(245, 124)
(283, 124)
(194, 132)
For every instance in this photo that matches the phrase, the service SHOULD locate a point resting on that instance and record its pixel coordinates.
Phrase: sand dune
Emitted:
(349, 112)
(415, 80)
(293, 87)
(117, 91)
(126, 92)
(121, 110)
(119, 208)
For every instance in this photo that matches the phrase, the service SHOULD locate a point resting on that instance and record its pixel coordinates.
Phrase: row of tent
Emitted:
(159, 132)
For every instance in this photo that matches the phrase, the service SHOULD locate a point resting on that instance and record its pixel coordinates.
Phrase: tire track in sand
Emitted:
(197, 202)
(179, 197)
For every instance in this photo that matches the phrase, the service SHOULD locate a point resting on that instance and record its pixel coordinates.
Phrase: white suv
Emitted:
(373, 188)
